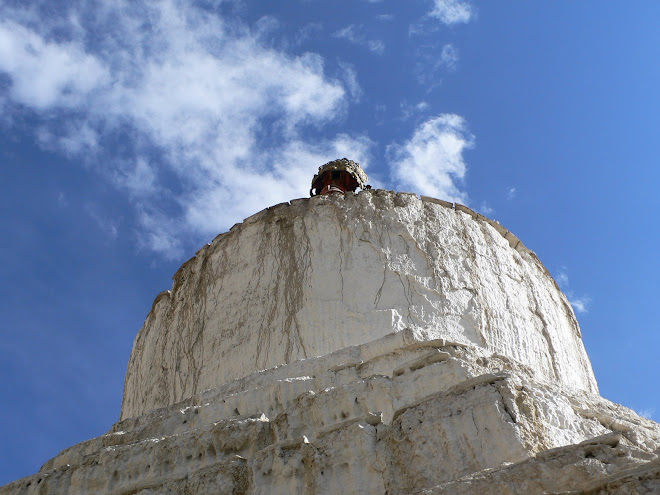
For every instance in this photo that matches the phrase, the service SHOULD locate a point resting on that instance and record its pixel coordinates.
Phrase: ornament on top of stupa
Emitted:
(339, 176)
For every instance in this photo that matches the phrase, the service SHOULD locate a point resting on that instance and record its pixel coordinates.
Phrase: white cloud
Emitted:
(308, 31)
(376, 46)
(449, 56)
(647, 413)
(408, 110)
(222, 111)
(510, 193)
(157, 233)
(46, 74)
(433, 61)
(452, 11)
(349, 75)
(350, 33)
(580, 304)
(562, 279)
(138, 177)
(106, 225)
(78, 140)
(431, 162)
(289, 176)
(486, 209)
(354, 34)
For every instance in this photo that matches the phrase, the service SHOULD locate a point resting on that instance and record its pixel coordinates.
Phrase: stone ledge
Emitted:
(591, 467)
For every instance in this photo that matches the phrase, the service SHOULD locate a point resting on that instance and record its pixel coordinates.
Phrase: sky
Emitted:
(133, 132)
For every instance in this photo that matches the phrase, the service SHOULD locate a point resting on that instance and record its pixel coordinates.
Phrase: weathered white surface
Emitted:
(322, 274)
(392, 416)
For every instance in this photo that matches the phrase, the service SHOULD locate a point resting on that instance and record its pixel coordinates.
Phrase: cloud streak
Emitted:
(211, 116)
(451, 12)
(198, 121)
(431, 162)
(355, 35)
(647, 412)
(510, 193)
(580, 304)
(449, 56)
(46, 74)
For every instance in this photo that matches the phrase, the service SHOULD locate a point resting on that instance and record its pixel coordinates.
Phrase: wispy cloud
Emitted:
(107, 225)
(510, 193)
(433, 61)
(432, 56)
(431, 162)
(408, 110)
(580, 304)
(647, 412)
(376, 46)
(355, 34)
(47, 74)
(308, 31)
(452, 11)
(449, 56)
(562, 279)
(192, 98)
(486, 209)
(137, 176)
(349, 75)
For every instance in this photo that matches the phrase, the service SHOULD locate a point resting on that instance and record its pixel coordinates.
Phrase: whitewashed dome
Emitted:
(317, 275)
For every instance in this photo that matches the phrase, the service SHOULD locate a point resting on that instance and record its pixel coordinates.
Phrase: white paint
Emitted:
(306, 279)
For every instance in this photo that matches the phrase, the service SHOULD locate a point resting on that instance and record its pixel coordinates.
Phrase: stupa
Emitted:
(365, 342)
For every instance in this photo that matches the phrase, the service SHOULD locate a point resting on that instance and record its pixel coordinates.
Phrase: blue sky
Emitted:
(131, 133)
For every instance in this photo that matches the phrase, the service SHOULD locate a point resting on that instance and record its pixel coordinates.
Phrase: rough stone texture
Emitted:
(392, 416)
(321, 274)
(457, 372)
